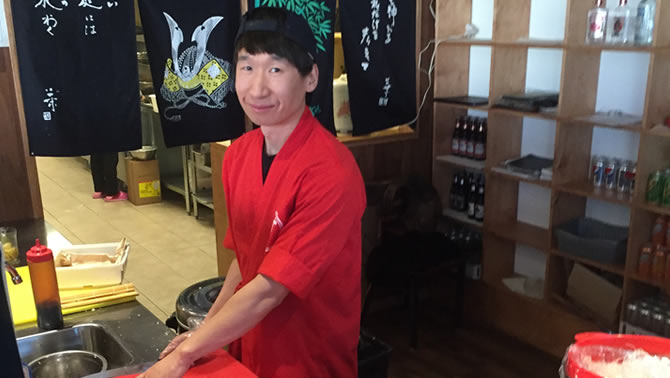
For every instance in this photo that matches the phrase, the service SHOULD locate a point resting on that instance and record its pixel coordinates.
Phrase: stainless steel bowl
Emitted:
(144, 153)
(68, 364)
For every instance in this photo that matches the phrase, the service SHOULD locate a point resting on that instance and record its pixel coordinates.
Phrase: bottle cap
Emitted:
(39, 253)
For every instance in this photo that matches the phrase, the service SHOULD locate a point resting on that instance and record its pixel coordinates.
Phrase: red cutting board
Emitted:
(217, 364)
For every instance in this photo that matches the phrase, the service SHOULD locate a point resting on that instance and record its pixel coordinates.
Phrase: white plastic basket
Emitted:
(74, 277)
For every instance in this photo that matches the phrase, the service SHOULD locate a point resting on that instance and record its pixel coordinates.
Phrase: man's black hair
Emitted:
(273, 42)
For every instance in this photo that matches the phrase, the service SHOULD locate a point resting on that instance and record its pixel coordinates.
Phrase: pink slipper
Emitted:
(98, 195)
(122, 196)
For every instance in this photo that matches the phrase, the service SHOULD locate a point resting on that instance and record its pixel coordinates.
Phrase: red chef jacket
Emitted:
(302, 228)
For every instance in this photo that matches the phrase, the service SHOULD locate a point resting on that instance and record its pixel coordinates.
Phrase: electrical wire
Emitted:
(431, 65)
(429, 73)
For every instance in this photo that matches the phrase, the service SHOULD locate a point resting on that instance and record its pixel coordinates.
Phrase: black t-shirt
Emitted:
(266, 162)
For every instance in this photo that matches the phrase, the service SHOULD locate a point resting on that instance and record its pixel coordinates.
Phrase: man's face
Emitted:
(270, 89)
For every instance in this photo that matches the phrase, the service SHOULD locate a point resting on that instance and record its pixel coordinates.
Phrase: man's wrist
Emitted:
(185, 354)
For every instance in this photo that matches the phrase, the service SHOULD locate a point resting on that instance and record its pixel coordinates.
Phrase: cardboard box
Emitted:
(594, 293)
(144, 184)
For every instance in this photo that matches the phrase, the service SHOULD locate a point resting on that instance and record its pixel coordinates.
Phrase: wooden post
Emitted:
(19, 185)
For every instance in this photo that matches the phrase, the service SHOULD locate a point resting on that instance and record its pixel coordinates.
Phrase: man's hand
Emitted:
(174, 344)
(171, 366)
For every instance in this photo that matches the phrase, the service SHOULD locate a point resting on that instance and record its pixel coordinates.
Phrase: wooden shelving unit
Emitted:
(474, 165)
(586, 189)
(587, 120)
(616, 269)
(549, 324)
(549, 44)
(518, 177)
(653, 208)
(461, 218)
(648, 281)
(520, 232)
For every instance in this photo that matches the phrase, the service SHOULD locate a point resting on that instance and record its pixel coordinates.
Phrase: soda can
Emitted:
(655, 186)
(592, 168)
(611, 173)
(666, 188)
(621, 180)
(598, 171)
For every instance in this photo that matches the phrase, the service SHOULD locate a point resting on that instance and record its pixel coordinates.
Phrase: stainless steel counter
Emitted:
(139, 330)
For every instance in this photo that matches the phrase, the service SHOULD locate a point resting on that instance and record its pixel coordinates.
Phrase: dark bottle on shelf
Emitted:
(456, 137)
(480, 140)
(465, 136)
(453, 194)
(470, 146)
(462, 191)
(472, 198)
(479, 202)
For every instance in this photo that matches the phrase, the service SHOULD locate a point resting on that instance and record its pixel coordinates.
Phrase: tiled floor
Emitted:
(170, 250)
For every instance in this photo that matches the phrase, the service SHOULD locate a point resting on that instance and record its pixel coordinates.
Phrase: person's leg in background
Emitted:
(111, 188)
(98, 173)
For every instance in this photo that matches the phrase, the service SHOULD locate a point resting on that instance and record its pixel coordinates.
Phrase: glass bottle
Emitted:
(454, 191)
(472, 198)
(596, 23)
(620, 24)
(470, 152)
(456, 138)
(465, 136)
(479, 203)
(480, 144)
(644, 26)
(463, 193)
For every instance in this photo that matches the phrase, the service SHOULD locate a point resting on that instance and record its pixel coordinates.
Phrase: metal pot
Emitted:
(195, 301)
(66, 364)
(144, 153)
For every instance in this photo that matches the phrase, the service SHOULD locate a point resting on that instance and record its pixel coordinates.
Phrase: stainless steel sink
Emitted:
(88, 337)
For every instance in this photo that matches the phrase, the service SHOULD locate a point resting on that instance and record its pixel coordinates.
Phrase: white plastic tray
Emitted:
(73, 277)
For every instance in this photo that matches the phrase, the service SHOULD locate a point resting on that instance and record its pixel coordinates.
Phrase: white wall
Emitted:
(621, 86)
(480, 71)
(621, 82)
(482, 17)
(4, 39)
(547, 19)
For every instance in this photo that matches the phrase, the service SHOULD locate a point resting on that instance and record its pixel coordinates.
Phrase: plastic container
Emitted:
(45, 287)
(9, 245)
(645, 260)
(92, 275)
(616, 346)
(373, 357)
(658, 263)
(594, 240)
(342, 112)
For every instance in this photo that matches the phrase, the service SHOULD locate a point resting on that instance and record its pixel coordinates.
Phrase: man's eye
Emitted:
(274, 69)
(245, 68)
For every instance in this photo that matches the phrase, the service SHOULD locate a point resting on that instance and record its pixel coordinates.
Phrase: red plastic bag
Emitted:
(609, 348)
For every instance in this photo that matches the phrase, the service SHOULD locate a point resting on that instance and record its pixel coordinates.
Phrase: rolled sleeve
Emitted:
(289, 271)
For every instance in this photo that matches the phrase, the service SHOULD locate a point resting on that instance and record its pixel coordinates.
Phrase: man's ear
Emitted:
(312, 79)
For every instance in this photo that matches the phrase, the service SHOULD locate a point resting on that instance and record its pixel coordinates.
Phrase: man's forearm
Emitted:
(239, 314)
(233, 278)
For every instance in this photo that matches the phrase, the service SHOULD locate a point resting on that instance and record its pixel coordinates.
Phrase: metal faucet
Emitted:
(16, 277)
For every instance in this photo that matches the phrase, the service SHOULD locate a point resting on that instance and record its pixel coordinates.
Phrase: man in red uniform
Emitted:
(290, 303)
